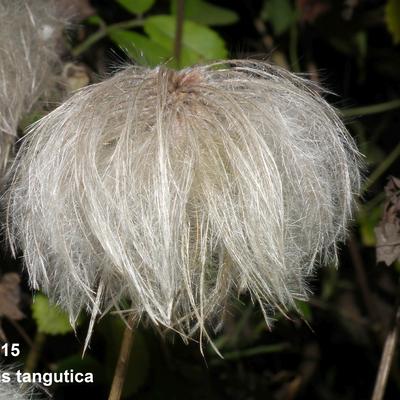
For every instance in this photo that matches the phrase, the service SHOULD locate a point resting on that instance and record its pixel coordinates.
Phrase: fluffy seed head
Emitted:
(176, 189)
(29, 35)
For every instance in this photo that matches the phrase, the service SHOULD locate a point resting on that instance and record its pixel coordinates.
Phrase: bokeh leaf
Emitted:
(198, 42)
(367, 222)
(206, 13)
(304, 309)
(392, 18)
(280, 13)
(50, 319)
(136, 6)
(142, 49)
(82, 364)
(95, 20)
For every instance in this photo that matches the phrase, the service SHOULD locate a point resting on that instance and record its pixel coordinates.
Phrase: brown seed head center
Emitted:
(183, 82)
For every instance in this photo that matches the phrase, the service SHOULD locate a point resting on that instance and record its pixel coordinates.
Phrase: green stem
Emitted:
(293, 54)
(180, 18)
(383, 166)
(373, 109)
(254, 351)
(367, 207)
(103, 32)
(35, 352)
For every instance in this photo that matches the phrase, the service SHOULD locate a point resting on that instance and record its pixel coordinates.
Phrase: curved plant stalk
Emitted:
(293, 53)
(385, 364)
(372, 109)
(382, 167)
(122, 363)
(35, 352)
(102, 33)
(180, 19)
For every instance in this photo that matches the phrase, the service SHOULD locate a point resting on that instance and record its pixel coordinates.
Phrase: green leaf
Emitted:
(367, 221)
(50, 319)
(199, 43)
(142, 49)
(206, 13)
(392, 18)
(305, 310)
(95, 20)
(85, 364)
(136, 6)
(396, 266)
(280, 13)
(361, 43)
(30, 119)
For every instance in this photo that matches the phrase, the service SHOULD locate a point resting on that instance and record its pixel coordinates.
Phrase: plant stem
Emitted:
(361, 278)
(122, 363)
(386, 359)
(102, 32)
(294, 57)
(180, 18)
(254, 351)
(278, 57)
(21, 332)
(367, 207)
(372, 109)
(382, 167)
(35, 352)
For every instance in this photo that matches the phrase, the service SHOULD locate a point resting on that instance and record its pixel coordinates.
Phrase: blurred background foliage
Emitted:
(332, 350)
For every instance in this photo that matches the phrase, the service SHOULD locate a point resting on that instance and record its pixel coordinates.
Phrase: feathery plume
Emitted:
(30, 32)
(177, 189)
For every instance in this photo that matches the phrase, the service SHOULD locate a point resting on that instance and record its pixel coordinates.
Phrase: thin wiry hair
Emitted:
(29, 35)
(14, 390)
(174, 190)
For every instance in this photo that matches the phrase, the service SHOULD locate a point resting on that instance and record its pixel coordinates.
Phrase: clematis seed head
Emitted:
(176, 190)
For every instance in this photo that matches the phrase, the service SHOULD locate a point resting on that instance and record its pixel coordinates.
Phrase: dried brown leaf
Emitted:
(388, 231)
(10, 296)
(310, 10)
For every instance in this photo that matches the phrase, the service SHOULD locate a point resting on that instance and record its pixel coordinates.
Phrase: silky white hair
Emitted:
(173, 190)
(30, 31)
(11, 391)
(14, 390)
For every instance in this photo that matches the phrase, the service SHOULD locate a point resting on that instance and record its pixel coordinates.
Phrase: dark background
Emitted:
(333, 350)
